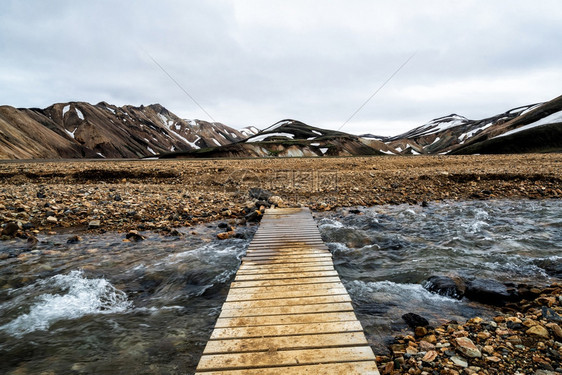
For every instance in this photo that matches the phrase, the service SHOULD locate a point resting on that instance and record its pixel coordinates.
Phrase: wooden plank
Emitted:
(243, 271)
(347, 368)
(280, 282)
(326, 340)
(232, 312)
(289, 357)
(301, 274)
(287, 330)
(266, 290)
(248, 296)
(299, 301)
(285, 261)
(286, 258)
(267, 320)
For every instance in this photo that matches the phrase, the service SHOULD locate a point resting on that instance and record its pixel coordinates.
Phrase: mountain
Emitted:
(288, 138)
(78, 129)
(83, 130)
(530, 128)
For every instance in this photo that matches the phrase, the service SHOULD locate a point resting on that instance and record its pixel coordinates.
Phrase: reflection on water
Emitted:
(104, 306)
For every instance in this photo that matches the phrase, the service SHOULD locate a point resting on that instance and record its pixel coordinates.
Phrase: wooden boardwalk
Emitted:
(287, 311)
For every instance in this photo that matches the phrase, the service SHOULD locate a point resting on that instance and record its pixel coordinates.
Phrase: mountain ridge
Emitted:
(83, 130)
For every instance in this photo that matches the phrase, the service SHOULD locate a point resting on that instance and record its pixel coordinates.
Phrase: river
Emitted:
(106, 306)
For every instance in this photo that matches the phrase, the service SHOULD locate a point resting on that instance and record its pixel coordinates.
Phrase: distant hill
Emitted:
(288, 138)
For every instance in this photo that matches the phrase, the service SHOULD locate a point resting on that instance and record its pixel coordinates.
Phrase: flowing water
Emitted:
(105, 306)
(384, 254)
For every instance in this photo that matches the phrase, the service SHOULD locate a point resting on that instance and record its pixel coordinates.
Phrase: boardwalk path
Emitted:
(287, 311)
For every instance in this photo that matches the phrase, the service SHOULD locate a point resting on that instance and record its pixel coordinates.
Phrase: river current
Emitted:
(107, 306)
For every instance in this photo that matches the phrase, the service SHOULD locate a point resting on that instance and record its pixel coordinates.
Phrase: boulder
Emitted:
(10, 229)
(415, 320)
(260, 194)
(488, 291)
(446, 286)
(134, 236)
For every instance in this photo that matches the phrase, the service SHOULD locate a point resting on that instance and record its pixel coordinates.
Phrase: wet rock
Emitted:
(415, 320)
(74, 240)
(135, 236)
(226, 235)
(40, 195)
(260, 194)
(488, 291)
(254, 216)
(94, 224)
(446, 286)
(467, 347)
(10, 229)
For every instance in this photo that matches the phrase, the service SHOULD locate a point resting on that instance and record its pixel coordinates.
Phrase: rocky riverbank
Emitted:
(161, 195)
(524, 338)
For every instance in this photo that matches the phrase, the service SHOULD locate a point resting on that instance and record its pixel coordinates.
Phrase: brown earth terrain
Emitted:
(163, 194)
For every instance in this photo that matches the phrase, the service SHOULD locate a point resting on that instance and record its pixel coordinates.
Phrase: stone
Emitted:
(459, 361)
(551, 315)
(135, 236)
(556, 330)
(10, 229)
(489, 349)
(74, 239)
(260, 194)
(488, 291)
(446, 286)
(94, 224)
(430, 356)
(225, 235)
(538, 330)
(415, 320)
(467, 347)
(254, 216)
(420, 331)
(52, 220)
(426, 346)
(276, 200)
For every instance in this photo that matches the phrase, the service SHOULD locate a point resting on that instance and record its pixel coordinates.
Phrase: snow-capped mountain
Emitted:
(288, 138)
(453, 133)
(78, 129)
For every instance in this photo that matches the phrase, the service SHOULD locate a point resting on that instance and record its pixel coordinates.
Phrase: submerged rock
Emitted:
(446, 286)
(415, 320)
(10, 229)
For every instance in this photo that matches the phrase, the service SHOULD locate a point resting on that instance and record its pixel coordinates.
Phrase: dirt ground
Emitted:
(163, 194)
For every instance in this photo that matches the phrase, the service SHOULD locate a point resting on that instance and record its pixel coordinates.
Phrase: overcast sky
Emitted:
(257, 62)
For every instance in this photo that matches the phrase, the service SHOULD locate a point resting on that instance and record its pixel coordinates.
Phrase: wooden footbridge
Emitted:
(287, 311)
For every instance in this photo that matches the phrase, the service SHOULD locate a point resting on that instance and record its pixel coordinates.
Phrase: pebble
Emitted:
(532, 346)
(94, 224)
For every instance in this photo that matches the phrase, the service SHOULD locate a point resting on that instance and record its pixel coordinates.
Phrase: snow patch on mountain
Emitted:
(261, 137)
(552, 119)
